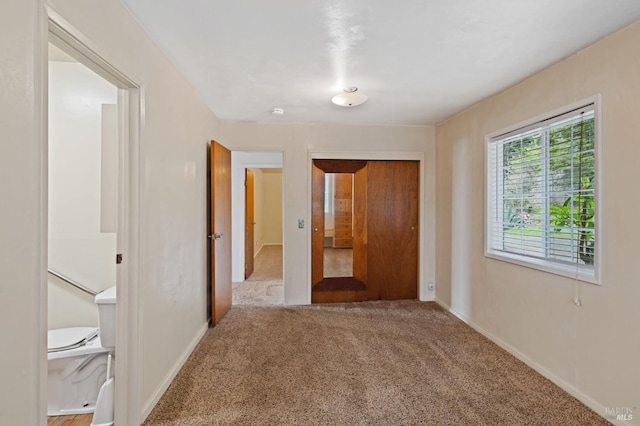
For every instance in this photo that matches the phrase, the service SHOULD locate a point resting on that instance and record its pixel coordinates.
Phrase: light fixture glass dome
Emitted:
(349, 98)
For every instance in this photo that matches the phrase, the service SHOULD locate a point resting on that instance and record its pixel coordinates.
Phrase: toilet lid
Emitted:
(67, 338)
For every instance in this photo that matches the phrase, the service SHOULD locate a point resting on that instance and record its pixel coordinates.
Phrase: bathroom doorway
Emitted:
(83, 183)
(82, 228)
(90, 185)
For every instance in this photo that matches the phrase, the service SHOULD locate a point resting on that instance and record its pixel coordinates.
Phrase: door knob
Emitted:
(315, 230)
(215, 236)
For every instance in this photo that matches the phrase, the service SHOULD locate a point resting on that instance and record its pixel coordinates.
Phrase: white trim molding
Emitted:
(175, 369)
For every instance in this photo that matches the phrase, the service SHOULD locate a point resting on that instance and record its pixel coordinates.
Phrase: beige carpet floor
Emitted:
(370, 363)
(264, 287)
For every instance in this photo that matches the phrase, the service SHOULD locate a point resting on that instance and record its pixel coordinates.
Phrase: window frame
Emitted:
(575, 271)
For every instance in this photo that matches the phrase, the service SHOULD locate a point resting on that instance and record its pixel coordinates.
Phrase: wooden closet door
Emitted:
(360, 225)
(392, 225)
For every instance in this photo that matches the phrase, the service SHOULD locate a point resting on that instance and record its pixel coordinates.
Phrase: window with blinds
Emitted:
(541, 189)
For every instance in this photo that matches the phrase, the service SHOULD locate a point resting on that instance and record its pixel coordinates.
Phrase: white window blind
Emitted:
(541, 182)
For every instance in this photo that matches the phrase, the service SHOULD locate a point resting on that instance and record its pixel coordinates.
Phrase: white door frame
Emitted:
(240, 161)
(127, 405)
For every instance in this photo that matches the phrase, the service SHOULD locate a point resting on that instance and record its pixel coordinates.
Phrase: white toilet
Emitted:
(77, 360)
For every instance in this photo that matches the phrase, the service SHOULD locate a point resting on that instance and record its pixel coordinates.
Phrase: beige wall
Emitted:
(22, 291)
(176, 126)
(267, 205)
(298, 141)
(591, 350)
(175, 130)
(272, 206)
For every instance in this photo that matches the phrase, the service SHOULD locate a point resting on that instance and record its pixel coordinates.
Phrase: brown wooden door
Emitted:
(392, 229)
(249, 223)
(360, 225)
(221, 231)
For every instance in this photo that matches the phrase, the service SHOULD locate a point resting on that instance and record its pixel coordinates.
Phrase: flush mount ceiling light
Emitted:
(349, 98)
(277, 112)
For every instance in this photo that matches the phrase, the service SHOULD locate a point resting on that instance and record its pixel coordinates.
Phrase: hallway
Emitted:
(265, 286)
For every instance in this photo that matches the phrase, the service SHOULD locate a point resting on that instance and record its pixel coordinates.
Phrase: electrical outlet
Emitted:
(431, 286)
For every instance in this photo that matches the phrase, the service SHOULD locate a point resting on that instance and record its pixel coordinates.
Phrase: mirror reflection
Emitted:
(338, 225)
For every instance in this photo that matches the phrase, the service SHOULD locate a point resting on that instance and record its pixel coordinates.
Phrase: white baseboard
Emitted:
(265, 244)
(428, 296)
(585, 399)
(443, 305)
(164, 385)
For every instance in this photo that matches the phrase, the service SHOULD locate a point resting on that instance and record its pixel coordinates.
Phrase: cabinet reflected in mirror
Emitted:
(338, 225)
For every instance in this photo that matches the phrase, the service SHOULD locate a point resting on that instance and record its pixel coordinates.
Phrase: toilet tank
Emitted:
(106, 302)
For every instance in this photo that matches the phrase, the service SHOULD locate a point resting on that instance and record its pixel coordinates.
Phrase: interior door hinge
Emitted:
(118, 259)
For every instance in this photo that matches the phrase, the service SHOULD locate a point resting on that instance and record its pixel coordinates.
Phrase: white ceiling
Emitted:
(419, 61)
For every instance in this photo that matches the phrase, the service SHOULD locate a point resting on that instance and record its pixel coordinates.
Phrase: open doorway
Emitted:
(92, 158)
(82, 234)
(263, 239)
(83, 169)
(258, 231)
